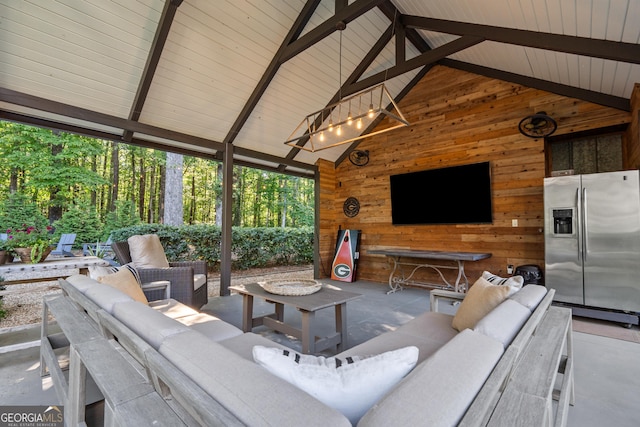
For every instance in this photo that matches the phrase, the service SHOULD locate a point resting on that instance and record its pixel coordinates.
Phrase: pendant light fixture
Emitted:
(346, 120)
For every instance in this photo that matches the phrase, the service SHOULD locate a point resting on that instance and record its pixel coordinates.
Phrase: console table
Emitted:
(47, 270)
(397, 277)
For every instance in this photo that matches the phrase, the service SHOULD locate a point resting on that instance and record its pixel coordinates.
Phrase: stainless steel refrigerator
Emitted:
(592, 239)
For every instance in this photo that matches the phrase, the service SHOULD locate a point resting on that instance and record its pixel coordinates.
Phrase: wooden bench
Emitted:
(130, 399)
(522, 387)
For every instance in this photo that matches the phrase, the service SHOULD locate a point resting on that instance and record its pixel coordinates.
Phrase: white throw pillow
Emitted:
(350, 385)
(515, 281)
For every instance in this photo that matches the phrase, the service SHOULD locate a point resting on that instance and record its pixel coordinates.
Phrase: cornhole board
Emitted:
(346, 256)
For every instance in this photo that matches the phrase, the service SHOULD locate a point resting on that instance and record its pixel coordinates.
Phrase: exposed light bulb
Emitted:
(330, 128)
(339, 130)
(349, 119)
(359, 124)
(321, 136)
(371, 112)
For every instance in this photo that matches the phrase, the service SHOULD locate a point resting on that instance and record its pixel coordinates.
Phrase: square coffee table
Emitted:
(307, 305)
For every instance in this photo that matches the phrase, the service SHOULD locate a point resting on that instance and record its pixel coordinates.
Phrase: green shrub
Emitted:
(250, 247)
(82, 220)
(18, 211)
(124, 215)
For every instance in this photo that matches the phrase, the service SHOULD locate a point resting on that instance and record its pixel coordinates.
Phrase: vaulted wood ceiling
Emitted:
(193, 76)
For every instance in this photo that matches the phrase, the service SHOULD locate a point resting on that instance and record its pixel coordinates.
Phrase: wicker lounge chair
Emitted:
(182, 276)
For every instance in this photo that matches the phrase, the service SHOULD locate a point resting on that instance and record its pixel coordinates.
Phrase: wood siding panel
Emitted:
(459, 118)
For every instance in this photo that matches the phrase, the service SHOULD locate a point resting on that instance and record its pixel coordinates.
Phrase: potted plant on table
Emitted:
(30, 243)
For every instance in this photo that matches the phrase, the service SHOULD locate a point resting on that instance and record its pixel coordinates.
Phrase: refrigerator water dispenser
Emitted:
(563, 222)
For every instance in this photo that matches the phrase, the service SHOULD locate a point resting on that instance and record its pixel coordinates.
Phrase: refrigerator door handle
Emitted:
(585, 238)
(578, 225)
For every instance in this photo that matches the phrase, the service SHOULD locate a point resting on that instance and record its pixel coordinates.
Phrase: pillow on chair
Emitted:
(147, 251)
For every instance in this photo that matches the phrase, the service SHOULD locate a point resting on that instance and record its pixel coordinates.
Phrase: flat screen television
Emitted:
(451, 195)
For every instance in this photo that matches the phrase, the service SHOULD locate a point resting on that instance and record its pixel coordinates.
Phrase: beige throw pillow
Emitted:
(481, 298)
(147, 251)
(125, 282)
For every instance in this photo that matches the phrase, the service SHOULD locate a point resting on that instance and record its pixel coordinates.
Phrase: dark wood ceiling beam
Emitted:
(328, 27)
(159, 40)
(557, 88)
(392, 13)
(429, 57)
(596, 48)
(41, 104)
(295, 31)
(93, 133)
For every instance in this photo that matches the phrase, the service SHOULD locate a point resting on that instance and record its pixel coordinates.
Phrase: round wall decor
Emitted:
(351, 207)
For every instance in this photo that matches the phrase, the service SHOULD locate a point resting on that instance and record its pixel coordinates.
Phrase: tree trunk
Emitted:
(142, 188)
(161, 193)
(55, 207)
(219, 195)
(115, 175)
(173, 190)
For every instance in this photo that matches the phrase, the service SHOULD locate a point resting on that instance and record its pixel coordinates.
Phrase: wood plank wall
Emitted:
(456, 118)
(632, 138)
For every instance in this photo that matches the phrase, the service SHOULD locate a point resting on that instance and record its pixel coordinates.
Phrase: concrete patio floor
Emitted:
(607, 370)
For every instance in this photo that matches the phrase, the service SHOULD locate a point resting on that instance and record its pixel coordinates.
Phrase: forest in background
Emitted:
(104, 185)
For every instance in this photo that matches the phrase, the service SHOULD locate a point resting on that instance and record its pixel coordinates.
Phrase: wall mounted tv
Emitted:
(452, 195)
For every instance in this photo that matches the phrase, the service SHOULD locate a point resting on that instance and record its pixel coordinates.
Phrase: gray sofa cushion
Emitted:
(246, 389)
(151, 325)
(530, 296)
(106, 297)
(243, 344)
(442, 387)
(210, 326)
(172, 308)
(428, 332)
(81, 282)
(504, 322)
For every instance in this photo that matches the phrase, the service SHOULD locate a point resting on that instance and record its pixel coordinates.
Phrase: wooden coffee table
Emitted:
(307, 305)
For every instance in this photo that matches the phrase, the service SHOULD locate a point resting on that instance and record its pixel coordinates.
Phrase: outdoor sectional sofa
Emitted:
(195, 369)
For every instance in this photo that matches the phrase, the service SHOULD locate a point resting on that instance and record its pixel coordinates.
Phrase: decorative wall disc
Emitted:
(351, 207)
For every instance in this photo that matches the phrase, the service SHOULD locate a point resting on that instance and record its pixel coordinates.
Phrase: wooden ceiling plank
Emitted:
(597, 48)
(296, 29)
